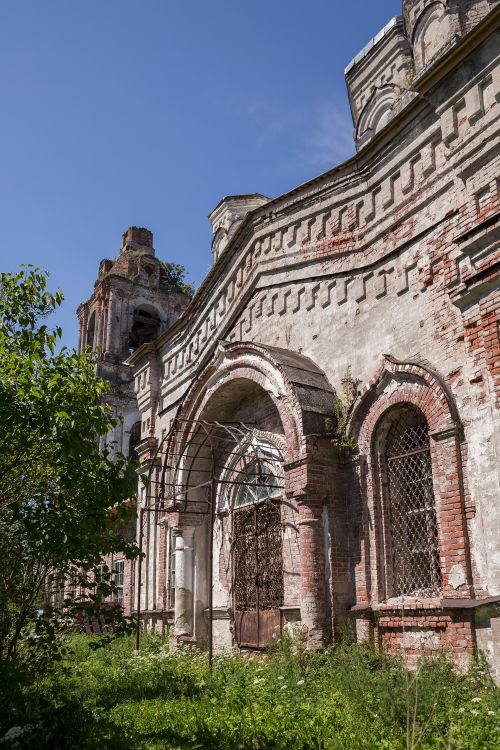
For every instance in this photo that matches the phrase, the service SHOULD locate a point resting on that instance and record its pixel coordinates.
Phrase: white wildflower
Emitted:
(475, 700)
(284, 687)
(280, 677)
(300, 682)
(490, 713)
(474, 711)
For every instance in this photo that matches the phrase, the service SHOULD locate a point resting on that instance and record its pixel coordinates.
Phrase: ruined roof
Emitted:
(313, 391)
(372, 43)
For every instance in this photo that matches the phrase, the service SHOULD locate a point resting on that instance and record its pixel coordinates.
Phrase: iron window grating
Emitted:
(413, 522)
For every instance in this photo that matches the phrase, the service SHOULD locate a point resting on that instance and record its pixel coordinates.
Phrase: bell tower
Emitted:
(135, 299)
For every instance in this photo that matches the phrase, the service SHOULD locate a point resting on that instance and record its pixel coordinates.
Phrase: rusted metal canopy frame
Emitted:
(179, 466)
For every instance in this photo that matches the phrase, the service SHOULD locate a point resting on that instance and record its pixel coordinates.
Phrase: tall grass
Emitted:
(350, 697)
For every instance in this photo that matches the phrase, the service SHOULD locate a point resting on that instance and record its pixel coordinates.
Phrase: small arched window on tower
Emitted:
(91, 331)
(410, 507)
(135, 439)
(145, 327)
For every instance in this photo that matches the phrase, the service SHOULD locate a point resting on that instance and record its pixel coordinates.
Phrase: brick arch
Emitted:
(299, 390)
(150, 306)
(395, 384)
(402, 382)
(378, 107)
(299, 393)
(386, 421)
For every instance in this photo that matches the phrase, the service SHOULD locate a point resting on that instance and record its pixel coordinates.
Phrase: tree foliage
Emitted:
(176, 274)
(60, 494)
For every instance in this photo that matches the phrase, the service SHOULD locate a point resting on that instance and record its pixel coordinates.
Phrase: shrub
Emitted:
(351, 697)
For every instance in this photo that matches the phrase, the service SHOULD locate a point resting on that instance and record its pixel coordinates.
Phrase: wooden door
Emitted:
(258, 573)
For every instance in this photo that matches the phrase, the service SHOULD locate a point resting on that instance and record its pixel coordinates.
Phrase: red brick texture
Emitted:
(416, 384)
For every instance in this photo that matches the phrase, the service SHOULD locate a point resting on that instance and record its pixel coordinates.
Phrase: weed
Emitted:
(351, 696)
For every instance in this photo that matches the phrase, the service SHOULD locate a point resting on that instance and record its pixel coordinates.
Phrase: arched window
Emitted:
(411, 506)
(219, 242)
(254, 474)
(376, 113)
(145, 328)
(258, 483)
(91, 331)
(135, 438)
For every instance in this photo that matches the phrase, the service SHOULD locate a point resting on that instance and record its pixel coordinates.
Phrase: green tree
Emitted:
(61, 496)
(176, 275)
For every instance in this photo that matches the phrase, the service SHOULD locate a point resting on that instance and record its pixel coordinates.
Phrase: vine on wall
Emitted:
(343, 405)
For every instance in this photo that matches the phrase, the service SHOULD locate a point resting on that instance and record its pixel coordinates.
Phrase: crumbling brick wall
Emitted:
(391, 257)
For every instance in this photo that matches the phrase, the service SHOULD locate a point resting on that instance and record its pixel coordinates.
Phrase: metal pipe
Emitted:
(139, 581)
(210, 575)
(461, 490)
(152, 509)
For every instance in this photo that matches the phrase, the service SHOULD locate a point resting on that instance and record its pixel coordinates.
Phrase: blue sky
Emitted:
(147, 112)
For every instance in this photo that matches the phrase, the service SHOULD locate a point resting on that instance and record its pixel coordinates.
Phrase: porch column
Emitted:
(312, 572)
(183, 610)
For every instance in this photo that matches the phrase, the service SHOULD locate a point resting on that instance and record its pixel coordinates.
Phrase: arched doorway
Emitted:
(257, 554)
(251, 484)
(249, 555)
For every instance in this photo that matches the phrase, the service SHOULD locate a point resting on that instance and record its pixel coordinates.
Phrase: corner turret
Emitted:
(227, 217)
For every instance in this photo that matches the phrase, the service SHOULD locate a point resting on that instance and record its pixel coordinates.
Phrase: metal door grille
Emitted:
(415, 553)
(258, 574)
(190, 481)
(258, 571)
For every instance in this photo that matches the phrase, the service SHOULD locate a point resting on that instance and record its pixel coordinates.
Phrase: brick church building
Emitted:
(320, 423)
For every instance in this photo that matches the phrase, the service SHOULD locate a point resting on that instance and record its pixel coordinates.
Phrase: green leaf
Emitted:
(56, 487)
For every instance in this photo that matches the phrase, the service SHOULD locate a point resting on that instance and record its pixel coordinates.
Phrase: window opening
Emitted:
(72, 584)
(91, 331)
(100, 573)
(135, 439)
(118, 576)
(56, 591)
(145, 328)
(259, 483)
(413, 521)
